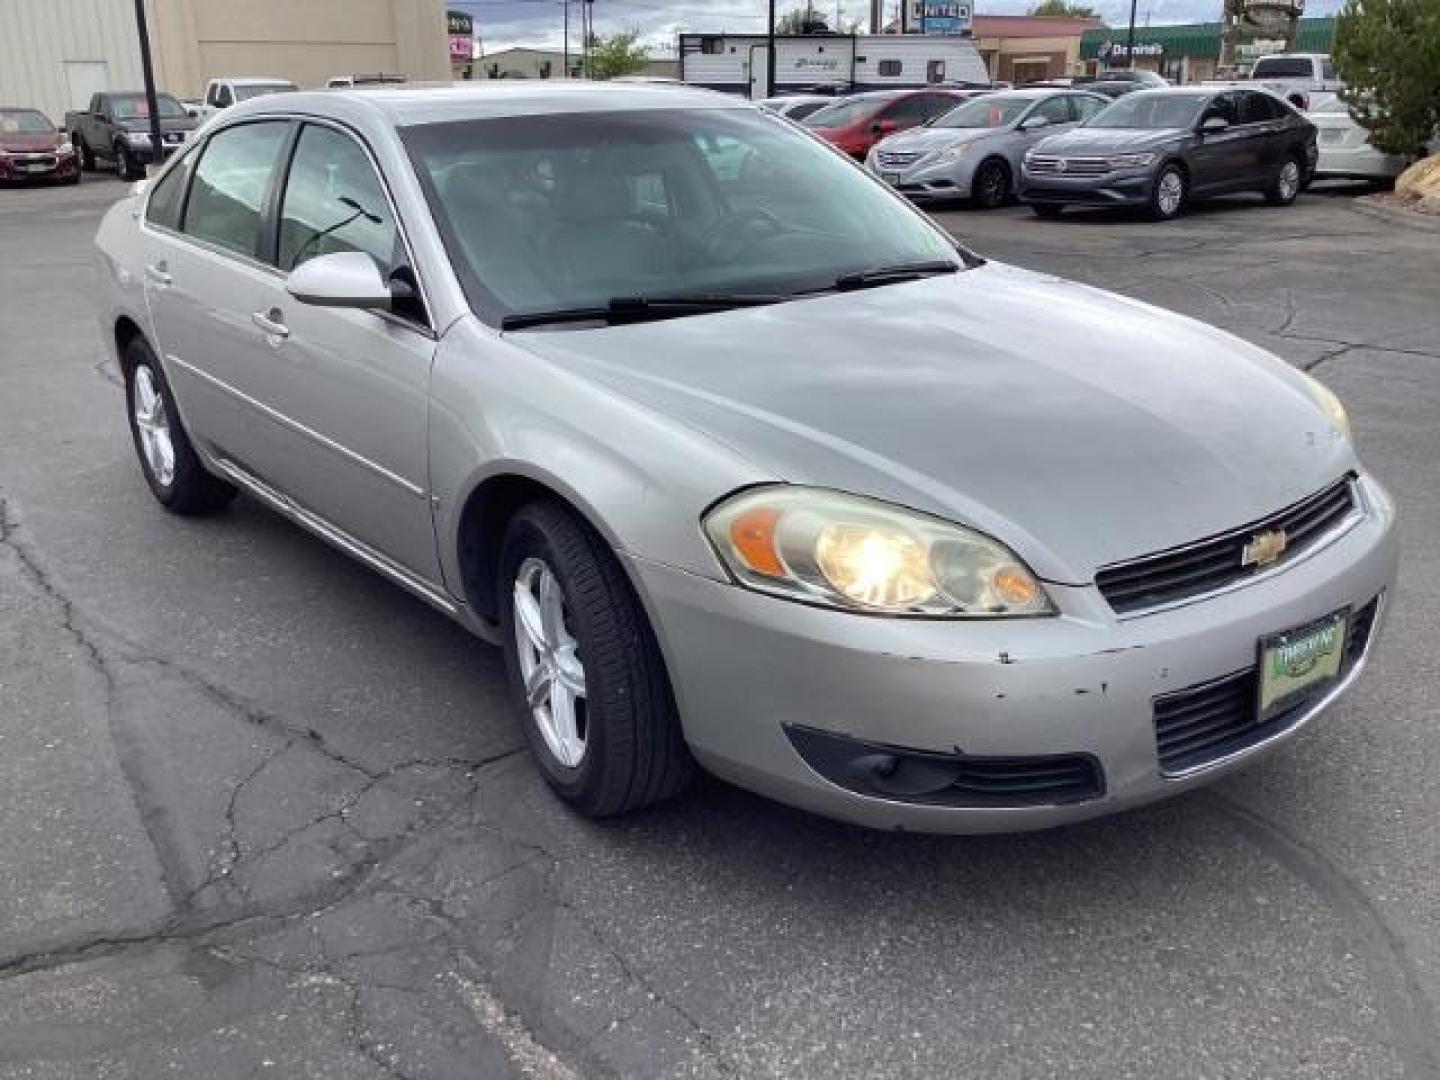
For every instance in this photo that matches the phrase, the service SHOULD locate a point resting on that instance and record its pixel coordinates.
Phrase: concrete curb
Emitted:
(1395, 215)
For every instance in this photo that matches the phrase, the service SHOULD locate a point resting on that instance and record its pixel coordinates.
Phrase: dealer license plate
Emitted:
(37, 168)
(1297, 663)
(891, 178)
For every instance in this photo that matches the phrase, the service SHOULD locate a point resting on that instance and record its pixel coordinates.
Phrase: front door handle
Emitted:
(159, 274)
(270, 323)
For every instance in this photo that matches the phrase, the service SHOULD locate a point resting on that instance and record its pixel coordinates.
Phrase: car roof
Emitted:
(421, 103)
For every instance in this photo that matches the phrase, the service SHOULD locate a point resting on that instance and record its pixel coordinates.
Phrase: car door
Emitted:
(206, 270)
(1221, 159)
(349, 387)
(1264, 117)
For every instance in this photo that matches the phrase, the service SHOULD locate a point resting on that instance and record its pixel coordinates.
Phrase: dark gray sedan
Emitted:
(1159, 148)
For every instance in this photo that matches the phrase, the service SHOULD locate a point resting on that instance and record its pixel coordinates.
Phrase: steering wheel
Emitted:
(733, 233)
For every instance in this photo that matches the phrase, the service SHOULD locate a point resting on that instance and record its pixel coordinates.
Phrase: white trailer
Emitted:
(835, 63)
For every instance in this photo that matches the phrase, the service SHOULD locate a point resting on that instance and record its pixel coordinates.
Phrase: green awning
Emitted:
(1196, 39)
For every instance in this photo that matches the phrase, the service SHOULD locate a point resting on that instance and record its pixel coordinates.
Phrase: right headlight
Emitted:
(1334, 408)
(844, 551)
(1130, 161)
(138, 138)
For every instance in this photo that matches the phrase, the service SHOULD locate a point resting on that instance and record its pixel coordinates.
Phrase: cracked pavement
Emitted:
(262, 814)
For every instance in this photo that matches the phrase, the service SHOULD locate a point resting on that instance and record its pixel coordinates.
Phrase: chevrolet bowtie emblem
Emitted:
(1264, 548)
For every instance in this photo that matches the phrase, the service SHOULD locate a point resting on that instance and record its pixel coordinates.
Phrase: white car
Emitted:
(797, 106)
(1345, 149)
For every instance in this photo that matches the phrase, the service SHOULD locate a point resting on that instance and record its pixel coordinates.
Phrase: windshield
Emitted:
(566, 211)
(135, 107)
(245, 93)
(24, 122)
(844, 113)
(991, 111)
(1151, 110)
(1281, 67)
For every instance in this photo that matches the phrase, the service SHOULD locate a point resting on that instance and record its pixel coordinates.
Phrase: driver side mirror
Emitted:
(346, 279)
(1213, 124)
(1030, 123)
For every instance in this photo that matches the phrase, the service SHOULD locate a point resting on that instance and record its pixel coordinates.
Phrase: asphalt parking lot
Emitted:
(262, 814)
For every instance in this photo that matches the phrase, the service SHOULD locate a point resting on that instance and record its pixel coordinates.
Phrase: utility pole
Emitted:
(1130, 40)
(770, 54)
(157, 146)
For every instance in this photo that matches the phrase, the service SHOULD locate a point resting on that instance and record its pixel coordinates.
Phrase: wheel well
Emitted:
(482, 530)
(1179, 164)
(996, 159)
(126, 331)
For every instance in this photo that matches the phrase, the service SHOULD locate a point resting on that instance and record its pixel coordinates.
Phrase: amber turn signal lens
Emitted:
(753, 536)
(1015, 587)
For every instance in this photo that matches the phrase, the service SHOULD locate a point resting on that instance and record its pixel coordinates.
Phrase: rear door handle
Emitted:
(270, 323)
(159, 274)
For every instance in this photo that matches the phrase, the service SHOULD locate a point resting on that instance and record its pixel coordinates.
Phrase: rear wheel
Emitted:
(1287, 183)
(1047, 209)
(990, 186)
(585, 668)
(169, 462)
(1167, 195)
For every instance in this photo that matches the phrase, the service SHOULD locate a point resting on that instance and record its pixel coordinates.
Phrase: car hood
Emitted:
(927, 140)
(1079, 427)
(186, 123)
(1088, 140)
(24, 142)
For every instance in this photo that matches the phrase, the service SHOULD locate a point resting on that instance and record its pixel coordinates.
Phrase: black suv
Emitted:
(1159, 148)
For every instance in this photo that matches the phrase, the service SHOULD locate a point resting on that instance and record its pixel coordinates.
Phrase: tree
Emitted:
(1387, 54)
(1063, 9)
(804, 20)
(619, 54)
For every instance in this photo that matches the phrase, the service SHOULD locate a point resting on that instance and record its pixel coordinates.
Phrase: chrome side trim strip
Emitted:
(297, 427)
(1304, 718)
(336, 537)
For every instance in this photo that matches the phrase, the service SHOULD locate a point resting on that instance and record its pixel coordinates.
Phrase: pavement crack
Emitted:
(1394, 974)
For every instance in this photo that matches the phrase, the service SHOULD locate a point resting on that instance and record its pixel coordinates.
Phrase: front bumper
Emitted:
(943, 180)
(44, 166)
(1121, 187)
(746, 668)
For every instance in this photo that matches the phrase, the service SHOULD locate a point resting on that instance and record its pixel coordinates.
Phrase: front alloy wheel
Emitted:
(1168, 198)
(991, 186)
(550, 666)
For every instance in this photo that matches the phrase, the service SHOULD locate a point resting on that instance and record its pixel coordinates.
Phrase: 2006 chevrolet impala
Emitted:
(742, 459)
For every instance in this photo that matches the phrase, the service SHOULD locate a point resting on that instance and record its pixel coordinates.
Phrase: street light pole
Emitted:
(148, 69)
(1130, 40)
(770, 54)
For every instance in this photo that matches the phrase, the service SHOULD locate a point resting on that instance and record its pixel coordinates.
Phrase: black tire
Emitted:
(990, 186)
(1287, 182)
(126, 165)
(1048, 210)
(635, 752)
(87, 156)
(72, 180)
(1162, 207)
(191, 490)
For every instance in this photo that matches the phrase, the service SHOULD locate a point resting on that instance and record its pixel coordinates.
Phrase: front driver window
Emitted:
(227, 198)
(1055, 109)
(334, 202)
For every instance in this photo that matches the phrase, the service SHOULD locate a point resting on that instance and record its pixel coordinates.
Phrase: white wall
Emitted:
(37, 37)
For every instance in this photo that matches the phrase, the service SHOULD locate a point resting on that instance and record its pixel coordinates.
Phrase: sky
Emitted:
(503, 23)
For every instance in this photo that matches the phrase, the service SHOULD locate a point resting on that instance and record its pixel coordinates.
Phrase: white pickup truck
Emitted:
(222, 93)
(1296, 77)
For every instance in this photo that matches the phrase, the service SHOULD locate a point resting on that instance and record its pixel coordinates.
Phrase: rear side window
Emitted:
(227, 198)
(334, 202)
(167, 201)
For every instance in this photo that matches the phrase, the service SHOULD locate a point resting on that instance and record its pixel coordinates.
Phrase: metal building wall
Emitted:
(37, 37)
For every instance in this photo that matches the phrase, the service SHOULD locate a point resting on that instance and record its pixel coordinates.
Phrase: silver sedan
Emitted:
(741, 460)
(976, 150)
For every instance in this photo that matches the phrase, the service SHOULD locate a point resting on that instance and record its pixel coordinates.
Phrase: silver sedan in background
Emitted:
(976, 150)
(741, 459)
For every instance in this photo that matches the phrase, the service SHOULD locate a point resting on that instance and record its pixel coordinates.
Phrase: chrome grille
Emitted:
(1218, 561)
(1050, 165)
(895, 159)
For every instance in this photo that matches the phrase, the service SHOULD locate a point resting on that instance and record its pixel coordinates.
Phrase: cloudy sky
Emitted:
(502, 23)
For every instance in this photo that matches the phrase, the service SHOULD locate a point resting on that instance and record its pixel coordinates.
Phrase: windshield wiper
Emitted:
(890, 275)
(633, 309)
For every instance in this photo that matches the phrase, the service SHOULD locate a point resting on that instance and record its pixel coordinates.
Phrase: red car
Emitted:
(32, 148)
(856, 123)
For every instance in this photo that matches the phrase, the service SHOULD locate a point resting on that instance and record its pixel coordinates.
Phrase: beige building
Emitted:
(1027, 48)
(55, 53)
